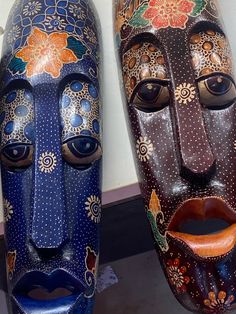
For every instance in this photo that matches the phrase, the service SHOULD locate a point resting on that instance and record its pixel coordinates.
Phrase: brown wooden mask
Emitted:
(181, 95)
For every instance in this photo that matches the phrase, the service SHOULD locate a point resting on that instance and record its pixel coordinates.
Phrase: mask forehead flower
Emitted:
(46, 53)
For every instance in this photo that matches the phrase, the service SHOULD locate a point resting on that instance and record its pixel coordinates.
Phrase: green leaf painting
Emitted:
(137, 19)
(159, 238)
(76, 46)
(200, 5)
(17, 66)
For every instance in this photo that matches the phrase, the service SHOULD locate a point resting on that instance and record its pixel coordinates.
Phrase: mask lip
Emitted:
(58, 279)
(211, 245)
(201, 209)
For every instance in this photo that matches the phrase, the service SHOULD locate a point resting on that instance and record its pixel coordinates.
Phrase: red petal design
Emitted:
(150, 13)
(154, 3)
(176, 262)
(160, 22)
(179, 21)
(185, 6)
(183, 269)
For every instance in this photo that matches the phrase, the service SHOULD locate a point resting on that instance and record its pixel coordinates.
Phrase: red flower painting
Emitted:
(177, 275)
(169, 13)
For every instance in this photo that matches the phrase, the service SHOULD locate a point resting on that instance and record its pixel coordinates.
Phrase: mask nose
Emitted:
(49, 226)
(197, 159)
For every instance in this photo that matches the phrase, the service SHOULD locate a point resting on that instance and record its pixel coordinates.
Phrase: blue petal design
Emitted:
(61, 11)
(50, 11)
(17, 43)
(50, 2)
(38, 19)
(26, 21)
(27, 31)
(62, 4)
(69, 29)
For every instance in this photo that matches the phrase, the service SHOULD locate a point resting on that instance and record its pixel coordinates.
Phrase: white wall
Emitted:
(118, 167)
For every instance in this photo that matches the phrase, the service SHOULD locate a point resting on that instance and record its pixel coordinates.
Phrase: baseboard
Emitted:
(120, 195)
(110, 198)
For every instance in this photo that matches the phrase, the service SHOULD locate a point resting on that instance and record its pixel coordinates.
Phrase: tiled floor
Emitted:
(142, 289)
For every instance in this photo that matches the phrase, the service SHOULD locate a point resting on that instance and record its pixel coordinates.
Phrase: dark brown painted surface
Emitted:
(180, 92)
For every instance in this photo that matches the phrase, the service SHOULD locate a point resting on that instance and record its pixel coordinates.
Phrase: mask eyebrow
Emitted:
(16, 84)
(75, 77)
(141, 38)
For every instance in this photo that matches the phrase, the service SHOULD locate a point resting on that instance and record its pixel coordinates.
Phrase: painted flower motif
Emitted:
(185, 93)
(219, 302)
(11, 263)
(77, 12)
(32, 8)
(169, 13)
(93, 206)
(176, 274)
(144, 148)
(47, 162)
(46, 53)
(91, 263)
(13, 34)
(55, 23)
(7, 209)
(91, 260)
(90, 35)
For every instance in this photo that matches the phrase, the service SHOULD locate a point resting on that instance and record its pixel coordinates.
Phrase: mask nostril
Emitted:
(47, 253)
(198, 178)
(44, 253)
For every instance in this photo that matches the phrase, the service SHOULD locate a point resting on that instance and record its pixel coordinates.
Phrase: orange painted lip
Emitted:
(205, 246)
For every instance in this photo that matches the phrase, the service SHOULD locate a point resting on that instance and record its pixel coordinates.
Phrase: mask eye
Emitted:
(151, 96)
(217, 92)
(81, 152)
(17, 157)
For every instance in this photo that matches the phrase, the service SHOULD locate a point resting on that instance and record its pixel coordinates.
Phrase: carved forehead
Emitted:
(68, 26)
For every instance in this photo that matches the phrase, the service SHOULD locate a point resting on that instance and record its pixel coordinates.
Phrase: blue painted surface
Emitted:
(52, 193)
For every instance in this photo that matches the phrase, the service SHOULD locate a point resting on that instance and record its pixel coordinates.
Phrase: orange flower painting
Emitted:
(46, 53)
(169, 13)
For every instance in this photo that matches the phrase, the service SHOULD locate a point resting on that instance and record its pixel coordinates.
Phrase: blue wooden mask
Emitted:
(51, 155)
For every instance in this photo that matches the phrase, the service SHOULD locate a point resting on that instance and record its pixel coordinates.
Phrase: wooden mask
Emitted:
(180, 93)
(51, 155)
